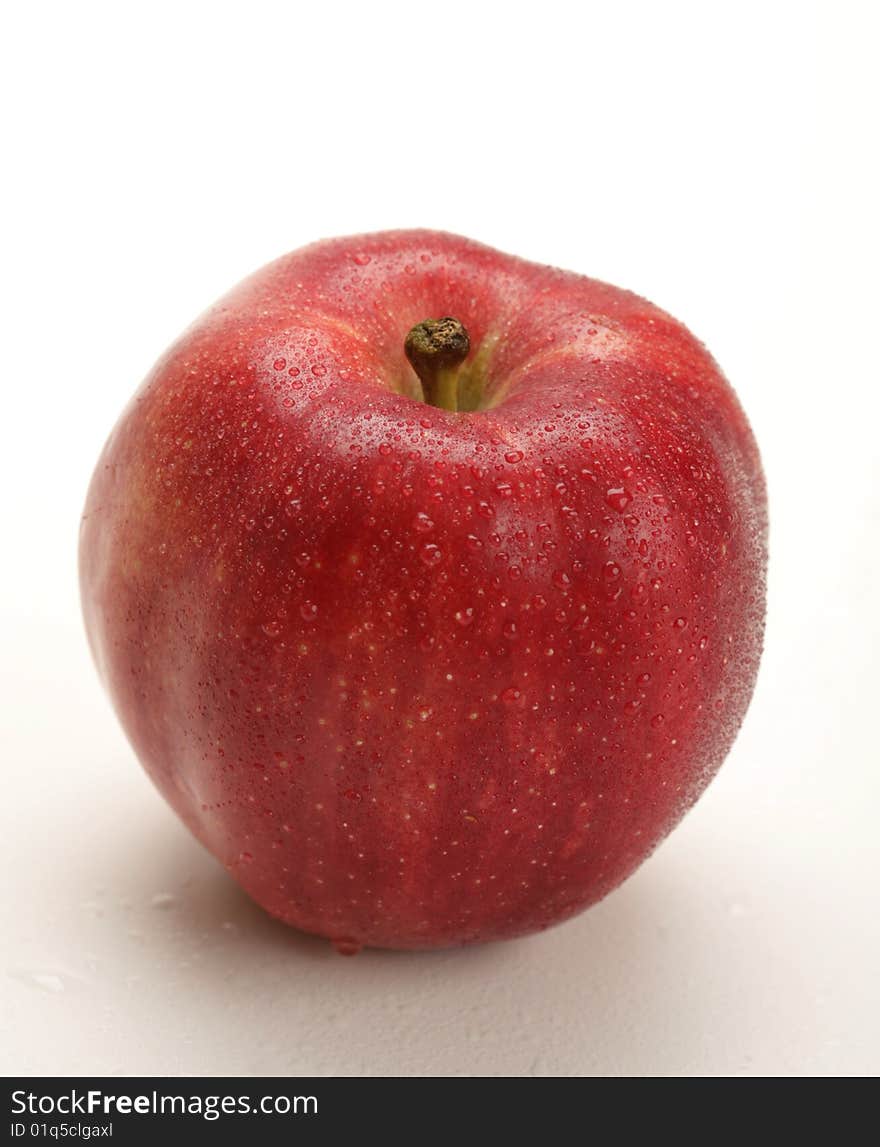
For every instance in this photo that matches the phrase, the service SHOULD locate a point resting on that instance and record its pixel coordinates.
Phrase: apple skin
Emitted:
(421, 678)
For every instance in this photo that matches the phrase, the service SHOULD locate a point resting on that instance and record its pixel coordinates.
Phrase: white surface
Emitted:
(717, 161)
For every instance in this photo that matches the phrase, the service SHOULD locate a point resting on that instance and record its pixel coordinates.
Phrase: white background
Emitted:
(716, 158)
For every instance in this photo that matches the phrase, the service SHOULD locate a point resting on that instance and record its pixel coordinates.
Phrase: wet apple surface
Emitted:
(428, 659)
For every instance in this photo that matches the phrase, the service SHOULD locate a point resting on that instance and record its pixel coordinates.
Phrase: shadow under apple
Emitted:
(614, 991)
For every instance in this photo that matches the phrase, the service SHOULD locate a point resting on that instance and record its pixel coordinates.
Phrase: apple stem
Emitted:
(436, 348)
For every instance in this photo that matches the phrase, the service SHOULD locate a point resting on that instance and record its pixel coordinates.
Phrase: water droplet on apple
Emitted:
(308, 611)
(513, 456)
(509, 630)
(611, 570)
(279, 363)
(423, 523)
(511, 695)
(361, 259)
(271, 628)
(319, 370)
(347, 947)
(430, 554)
(464, 616)
(657, 721)
(618, 498)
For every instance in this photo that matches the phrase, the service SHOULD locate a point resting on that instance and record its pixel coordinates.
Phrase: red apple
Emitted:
(428, 663)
